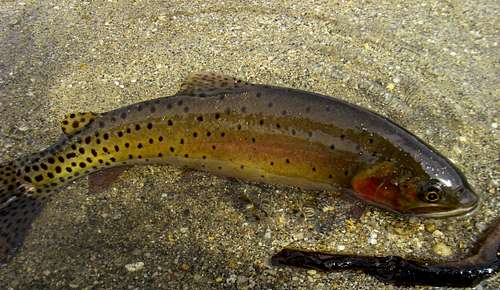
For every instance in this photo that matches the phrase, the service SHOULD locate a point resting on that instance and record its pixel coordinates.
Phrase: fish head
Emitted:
(411, 192)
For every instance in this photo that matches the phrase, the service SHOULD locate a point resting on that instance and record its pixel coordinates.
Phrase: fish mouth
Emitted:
(466, 202)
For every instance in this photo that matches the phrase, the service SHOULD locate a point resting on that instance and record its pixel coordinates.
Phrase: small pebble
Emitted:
(134, 267)
(311, 272)
(442, 249)
(185, 267)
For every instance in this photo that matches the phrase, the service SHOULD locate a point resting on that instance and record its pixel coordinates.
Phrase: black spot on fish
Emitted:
(287, 161)
(170, 123)
(81, 150)
(87, 140)
(50, 175)
(179, 103)
(332, 147)
(160, 138)
(150, 126)
(172, 149)
(117, 148)
(271, 163)
(186, 155)
(261, 122)
(160, 154)
(139, 145)
(113, 159)
(182, 141)
(195, 134)
(60, 158)
(89, 160)
(128, 130)
(94, 152)
(127, 145)
(222, 134)
(73, 146)
(330, 176)
(208, 134)
(105, 136)
(120, 134)
(150, 141)
(217, 115)
(137, 127)
(213, 147)
(342, 136)
(39, 177)
(123, 115)
(314, 168)
(200, 118)
(44, 166)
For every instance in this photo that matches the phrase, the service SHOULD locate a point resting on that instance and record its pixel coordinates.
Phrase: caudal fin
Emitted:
(17, 212)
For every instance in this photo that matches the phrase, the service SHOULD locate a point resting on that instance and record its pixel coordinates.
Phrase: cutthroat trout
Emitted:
(254, 132)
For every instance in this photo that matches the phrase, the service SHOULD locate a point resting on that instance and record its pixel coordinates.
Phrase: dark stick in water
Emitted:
(399, 271)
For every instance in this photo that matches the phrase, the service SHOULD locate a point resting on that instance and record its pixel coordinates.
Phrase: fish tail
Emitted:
(18, 209)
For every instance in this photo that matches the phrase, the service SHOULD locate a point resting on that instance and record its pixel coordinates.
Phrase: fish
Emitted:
(258, 133)
(467, 272)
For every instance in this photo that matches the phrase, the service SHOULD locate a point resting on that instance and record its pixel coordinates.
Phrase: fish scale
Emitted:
(254, 132)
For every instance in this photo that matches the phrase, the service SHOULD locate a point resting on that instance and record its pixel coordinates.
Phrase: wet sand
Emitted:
(432, 66)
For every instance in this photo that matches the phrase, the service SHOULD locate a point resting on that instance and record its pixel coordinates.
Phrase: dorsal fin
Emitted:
(75, 122)
(208, 84)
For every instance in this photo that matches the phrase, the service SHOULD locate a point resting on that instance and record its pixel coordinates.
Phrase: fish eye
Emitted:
(431, 191)
(432, 196)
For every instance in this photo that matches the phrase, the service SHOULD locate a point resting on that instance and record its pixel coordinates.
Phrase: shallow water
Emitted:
(429, 65)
